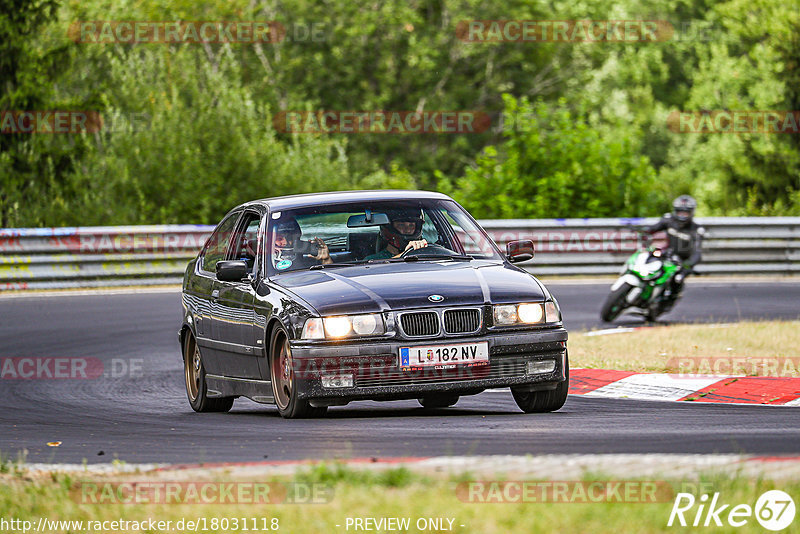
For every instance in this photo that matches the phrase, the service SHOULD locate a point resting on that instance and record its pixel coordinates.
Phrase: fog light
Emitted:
(536, 367)
(337, 381)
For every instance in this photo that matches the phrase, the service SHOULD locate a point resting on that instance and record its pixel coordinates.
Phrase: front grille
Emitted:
(461, 321)
(420, 324)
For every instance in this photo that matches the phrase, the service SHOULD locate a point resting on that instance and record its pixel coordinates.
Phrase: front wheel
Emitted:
(543, 401)
(283, 378)
(615, 302)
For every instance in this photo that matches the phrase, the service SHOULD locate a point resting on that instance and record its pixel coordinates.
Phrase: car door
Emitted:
(233, 326)
(204, 286)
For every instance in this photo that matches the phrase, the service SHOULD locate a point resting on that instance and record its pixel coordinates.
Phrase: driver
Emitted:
(404, 232)
(288, 251)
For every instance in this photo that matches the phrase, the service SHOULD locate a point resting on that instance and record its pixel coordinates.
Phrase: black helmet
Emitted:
(392, 236)
(289, 229)
(683, 208)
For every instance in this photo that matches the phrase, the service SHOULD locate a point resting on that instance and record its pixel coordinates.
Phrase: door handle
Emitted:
(215, 294)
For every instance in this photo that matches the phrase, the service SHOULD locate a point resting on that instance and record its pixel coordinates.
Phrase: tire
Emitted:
(194, 373)
(615, 303)
(439, 400)
(543, 401)
(282, 376)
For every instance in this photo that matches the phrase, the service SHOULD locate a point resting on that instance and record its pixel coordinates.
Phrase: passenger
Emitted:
(289, 251)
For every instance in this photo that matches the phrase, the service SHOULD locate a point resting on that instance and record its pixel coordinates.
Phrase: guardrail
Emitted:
(732, 245)
(44, 258)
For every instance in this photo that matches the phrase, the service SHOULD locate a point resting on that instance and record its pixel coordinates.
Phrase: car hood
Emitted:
(384, 286)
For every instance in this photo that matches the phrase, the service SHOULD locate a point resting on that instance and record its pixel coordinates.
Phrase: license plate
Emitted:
(444, 355)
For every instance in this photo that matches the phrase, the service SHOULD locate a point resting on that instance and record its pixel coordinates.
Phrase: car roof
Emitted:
(335, 197)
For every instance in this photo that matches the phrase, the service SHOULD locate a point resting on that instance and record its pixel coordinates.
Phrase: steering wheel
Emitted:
(432, 249)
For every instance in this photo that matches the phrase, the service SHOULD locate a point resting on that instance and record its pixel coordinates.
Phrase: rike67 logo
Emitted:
(774, 510)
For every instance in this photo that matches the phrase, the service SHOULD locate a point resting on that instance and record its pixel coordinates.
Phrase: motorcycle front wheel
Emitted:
(615, 303)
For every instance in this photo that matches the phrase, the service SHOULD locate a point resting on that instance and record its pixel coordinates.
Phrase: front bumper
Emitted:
(376, 374)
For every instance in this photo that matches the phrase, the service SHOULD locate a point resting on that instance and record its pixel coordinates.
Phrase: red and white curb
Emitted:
(774, 391)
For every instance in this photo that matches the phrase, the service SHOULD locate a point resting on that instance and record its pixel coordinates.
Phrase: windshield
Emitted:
(340, 234)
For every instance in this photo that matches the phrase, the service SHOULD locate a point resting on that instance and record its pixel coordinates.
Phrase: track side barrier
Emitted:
(44, 258)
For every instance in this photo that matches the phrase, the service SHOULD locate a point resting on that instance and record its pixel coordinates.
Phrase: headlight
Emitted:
(530, 313)
(527, 313)
(341, 326)
(505, 314)
(337, 326)
(364, 325)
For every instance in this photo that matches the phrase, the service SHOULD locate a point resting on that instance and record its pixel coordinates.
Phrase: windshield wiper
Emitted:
(342, 264)
(417, 257)
(454, 257)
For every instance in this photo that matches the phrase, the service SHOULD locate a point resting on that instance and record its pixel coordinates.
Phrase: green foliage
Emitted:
(192, 143)
(554, 164)
(31, 167)
(188, 127)
(756, 68)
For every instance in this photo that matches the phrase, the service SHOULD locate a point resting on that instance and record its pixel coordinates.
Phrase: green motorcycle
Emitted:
(643, 284)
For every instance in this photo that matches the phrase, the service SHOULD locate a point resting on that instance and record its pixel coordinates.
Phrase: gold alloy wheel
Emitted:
(192, 368)
(282, 373)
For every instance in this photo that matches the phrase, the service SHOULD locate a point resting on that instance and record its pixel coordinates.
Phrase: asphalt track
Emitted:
(144, 416)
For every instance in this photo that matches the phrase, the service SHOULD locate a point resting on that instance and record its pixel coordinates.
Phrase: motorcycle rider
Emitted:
(684, 240)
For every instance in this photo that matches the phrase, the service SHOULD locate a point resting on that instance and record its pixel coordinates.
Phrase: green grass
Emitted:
(395, 492)
(658, 348)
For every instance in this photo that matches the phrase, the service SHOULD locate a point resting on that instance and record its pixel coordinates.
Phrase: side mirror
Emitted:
(231, 271)
(519, 250)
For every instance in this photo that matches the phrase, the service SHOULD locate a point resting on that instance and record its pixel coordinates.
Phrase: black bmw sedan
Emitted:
(317, 300)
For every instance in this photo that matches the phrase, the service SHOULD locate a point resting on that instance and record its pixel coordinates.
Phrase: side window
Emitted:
(217, 246)
(246, 240)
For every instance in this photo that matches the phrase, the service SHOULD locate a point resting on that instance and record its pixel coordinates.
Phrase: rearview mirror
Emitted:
(231, 271)
(519, 250)
(367, 219)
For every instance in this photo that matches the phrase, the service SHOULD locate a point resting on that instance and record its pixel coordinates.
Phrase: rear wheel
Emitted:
(195, 375)
(543, 401)
(283, 378)
(615, 302)
(438, 401)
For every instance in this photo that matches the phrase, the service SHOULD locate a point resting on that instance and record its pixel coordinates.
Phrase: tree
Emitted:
(554, 164)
